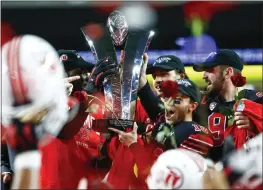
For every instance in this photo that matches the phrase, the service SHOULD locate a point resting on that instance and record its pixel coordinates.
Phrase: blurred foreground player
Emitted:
(177, 169)
(37, 111)
(33, 91)
(241, 169)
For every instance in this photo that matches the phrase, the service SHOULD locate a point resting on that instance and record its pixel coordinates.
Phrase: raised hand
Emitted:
(143, 79)
(104, 68)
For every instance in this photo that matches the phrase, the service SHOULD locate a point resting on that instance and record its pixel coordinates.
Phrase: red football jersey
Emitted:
(66, 161)
(121, 174)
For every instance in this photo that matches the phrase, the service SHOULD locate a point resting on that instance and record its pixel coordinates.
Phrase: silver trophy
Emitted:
(120, 90)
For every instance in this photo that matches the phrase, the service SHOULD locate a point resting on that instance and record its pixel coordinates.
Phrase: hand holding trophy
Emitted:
(120, 88)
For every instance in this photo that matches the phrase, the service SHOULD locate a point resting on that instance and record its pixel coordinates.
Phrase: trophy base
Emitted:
(102, 125)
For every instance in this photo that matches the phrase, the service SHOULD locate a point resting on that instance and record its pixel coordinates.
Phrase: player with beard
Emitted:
(178, 130)
(220, 95)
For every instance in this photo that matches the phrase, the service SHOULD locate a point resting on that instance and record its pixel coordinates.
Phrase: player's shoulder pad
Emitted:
(185, 124)
(195, 139)
(199, 128)
(206, 99)
(250, 94)
(192, 127)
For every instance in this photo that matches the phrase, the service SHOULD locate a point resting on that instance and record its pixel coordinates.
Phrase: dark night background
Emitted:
(237, 28)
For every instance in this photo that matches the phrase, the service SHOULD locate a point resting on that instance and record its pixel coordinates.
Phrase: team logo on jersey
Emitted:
(175, 178)
(212, 106)
(203, 129)
(64, 57)
(241, 106)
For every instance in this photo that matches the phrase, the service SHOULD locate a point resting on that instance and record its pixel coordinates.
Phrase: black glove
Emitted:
(104, 68)
(164, 134)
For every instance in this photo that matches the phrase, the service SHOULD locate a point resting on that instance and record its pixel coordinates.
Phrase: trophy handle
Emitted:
(102, 47)
(137, 44)
(91, 45)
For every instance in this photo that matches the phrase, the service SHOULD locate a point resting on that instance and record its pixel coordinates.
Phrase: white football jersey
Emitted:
(177, 169)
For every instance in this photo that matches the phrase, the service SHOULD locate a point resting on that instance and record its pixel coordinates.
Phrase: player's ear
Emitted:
(228, 72)
(192, 106)
(182, 76)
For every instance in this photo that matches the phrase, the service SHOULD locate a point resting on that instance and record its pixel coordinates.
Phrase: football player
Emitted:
(217, 102)
(36, 110)
(33, 91)
(165, 68)
(219, 99)
(178, 130)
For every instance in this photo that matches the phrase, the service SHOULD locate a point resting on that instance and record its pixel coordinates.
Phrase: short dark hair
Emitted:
(181, 72)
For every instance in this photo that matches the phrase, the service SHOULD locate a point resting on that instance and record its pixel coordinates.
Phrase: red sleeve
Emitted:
(112, 146)
(199, 143)
(72, 127)
(144, 159)
(252, 110)
(141, 115)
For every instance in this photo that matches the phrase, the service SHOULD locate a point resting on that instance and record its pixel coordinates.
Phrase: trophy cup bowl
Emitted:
(118, 27)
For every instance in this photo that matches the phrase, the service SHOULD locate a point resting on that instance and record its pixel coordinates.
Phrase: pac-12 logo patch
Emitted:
(259, 94)
(241, 106)
(212, 106)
